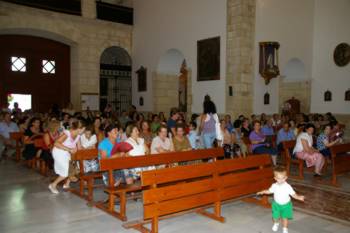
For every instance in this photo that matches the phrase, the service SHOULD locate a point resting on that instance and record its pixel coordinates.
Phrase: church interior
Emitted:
(173, 116)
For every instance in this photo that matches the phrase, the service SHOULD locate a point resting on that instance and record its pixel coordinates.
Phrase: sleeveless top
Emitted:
(209, 125)
(70, 142)
(52, 141)
(138, 147)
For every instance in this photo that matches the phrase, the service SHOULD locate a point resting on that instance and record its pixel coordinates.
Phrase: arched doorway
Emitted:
(115, 79)
(173, 64)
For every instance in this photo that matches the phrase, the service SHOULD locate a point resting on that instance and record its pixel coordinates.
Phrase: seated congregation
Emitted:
(133, 153)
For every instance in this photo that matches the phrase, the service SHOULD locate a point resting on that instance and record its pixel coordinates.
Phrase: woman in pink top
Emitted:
(65, 145)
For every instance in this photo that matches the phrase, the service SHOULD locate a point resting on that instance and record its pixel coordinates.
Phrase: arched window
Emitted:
(328, 96)
(266, 98)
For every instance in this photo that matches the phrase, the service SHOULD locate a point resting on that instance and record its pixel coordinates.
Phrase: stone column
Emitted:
(88, 9)
(240, 50)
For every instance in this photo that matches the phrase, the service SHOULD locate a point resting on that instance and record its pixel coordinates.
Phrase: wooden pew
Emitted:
(288, 146)
(18, 137)
(340, 160)
(173, 190)
(144, 161)
(87, 180)
(43, 167)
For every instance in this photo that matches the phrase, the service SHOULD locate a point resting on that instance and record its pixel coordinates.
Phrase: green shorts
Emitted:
(282, 211)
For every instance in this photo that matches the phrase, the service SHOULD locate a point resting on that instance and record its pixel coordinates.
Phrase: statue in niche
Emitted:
(327, 96)
(142, 79)
(268, 60)
(183, 87)
(347, 95)
(266, 98)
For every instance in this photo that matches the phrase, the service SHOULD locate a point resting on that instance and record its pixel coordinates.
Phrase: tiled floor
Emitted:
(26, 206)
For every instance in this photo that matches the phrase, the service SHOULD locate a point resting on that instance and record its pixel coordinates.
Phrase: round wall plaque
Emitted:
(342, 54)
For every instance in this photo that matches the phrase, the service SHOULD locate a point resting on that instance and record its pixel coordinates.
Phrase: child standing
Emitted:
(282, 207)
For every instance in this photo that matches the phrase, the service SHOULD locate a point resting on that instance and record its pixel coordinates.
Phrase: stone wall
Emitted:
(240, 47)
(300, 90)
(165, 92)
(87, 36)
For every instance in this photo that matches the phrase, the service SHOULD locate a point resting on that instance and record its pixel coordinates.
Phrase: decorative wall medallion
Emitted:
(342, 54)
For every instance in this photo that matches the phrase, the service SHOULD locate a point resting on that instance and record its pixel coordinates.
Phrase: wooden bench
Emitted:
(87, 180)
(18, 137)
(288, 146)
(340, 160)
(197, 187)
(144, 161)
(43, 168)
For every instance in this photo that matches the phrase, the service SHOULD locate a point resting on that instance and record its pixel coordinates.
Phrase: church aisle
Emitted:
(27, 206)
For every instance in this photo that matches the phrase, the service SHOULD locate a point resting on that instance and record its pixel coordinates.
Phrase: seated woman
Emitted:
(180, 141)
(259, 145)
(227, 141)
(237, 138)
(323, 142)
(50, 136)
(139, 147)
(303, 150)
(104, 152)
(88, 141)
(33, 131)
(161, 143)
(146, 133)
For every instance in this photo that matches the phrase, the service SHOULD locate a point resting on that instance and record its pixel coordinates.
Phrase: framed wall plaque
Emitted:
(341, 54)
(208, 59)
(141, 79)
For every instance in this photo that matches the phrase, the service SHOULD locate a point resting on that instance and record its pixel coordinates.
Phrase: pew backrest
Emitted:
(171, 190)
(158, 159)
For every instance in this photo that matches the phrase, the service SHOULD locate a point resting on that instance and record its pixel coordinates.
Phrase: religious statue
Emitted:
(268, 64)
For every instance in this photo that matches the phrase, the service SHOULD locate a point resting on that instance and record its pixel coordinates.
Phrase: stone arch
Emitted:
(172, 71)
(294, 70)
(115, 79)
(170, 62)
(115, 55)
(39, 33)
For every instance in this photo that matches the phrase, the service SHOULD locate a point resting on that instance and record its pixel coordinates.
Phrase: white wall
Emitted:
(331, 28)
(160, 25)
(289, 22)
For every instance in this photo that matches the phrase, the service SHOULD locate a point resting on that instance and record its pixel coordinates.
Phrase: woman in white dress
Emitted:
(139, 147)
(66, 145)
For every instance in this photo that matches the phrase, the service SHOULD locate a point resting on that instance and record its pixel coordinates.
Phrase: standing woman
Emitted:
(66, 145)
(50, 137)
(207, 124)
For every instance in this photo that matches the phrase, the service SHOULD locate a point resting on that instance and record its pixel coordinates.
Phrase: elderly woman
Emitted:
(161, 143)
(259, 144)
(303, 150)
(180, 141)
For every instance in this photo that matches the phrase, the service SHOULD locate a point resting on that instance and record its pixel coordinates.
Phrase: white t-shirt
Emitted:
(85, 143)
(281, 192)
(138, 148)
(298, 145)
(157, 142)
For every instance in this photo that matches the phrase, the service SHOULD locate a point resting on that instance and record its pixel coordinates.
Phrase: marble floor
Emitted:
(26, 206)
